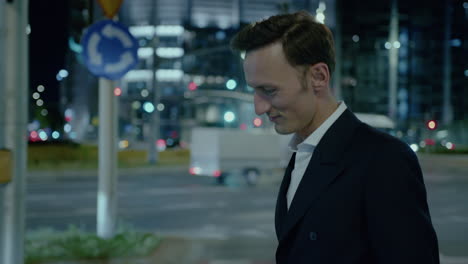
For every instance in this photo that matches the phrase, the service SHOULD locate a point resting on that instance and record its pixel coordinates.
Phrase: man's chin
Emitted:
(282, 130)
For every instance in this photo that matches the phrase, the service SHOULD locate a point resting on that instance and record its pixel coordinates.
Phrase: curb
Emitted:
(94, 172)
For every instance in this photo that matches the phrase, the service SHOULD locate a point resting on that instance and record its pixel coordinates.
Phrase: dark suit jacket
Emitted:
(362, 200)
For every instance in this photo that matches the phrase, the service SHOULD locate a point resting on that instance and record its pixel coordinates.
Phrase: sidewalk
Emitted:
(176, 250)
(203, 251)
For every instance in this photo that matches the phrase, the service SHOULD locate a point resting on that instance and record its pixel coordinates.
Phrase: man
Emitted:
(350, 194)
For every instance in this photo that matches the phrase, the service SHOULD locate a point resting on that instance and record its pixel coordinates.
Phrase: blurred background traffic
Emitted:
(201, 80)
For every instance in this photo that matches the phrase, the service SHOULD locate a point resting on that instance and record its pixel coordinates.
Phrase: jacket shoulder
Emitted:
(385, 148)
(382, 140)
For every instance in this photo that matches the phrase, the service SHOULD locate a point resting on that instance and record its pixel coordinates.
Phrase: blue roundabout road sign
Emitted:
(109, 50)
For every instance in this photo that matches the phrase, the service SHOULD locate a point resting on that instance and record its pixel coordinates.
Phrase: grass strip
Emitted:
(75, 244)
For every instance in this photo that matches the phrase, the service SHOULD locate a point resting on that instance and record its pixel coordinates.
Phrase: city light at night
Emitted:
(55, 135)
(144, 93)
(432, 124)
(160, 107)
(148, 107)
(117, 91)
(136, 105)
(63, 73)
(192, 86)
(257, 122)
(229, 116)
(231, 84)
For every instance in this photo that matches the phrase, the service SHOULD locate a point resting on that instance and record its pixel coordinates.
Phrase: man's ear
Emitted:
(319, 75)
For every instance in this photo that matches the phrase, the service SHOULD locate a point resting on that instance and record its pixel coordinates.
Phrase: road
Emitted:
(178, 204)
(174, 202)
(170, 203)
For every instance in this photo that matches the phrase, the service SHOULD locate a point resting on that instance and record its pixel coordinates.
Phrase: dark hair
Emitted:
(305, 41)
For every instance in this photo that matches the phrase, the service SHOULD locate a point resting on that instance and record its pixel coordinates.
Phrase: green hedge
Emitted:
(76, 156)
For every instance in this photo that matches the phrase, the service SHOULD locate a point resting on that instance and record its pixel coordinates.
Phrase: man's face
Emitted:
(281, 91)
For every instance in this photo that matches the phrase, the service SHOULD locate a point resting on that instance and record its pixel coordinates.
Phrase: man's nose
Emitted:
(262, 106)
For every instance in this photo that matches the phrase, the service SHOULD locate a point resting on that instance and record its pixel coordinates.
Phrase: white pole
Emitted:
(107, 189)
(2, 114)
(447, 110)
(338, 52)
(16, 105)
(393, 62)
(155, 117)
(236, 13)
(2, 82)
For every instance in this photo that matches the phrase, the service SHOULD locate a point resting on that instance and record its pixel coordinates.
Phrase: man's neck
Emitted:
(326, 111)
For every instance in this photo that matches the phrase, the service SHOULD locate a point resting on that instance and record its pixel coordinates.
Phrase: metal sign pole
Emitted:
(338, 53)
(393, 62)
(2, 76)
(16, 105)
(447, 109)
(107, 186)
(111, 65)
(155, 117)
(155, 126)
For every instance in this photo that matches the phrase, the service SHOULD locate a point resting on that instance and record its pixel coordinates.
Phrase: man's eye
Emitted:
(269, 91)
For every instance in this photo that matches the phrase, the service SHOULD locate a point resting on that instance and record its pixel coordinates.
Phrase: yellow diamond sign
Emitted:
(110, 7)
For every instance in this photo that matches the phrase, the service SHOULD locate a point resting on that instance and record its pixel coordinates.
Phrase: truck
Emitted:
(221, 152)
(380, 122)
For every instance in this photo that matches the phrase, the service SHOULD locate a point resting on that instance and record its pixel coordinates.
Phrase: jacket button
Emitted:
(313, 236)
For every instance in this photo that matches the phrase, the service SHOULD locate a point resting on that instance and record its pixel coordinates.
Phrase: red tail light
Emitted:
(195, 170)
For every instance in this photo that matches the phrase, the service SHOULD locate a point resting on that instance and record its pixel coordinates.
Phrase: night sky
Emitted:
(48, 44)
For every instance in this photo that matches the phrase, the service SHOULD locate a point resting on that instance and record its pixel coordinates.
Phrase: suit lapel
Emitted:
(316, 178)
(281, 203)
(326, 164)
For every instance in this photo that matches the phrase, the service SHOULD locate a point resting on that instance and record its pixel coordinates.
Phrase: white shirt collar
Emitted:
(309, 144)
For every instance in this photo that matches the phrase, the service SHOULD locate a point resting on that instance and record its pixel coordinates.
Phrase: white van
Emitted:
(217, 152)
